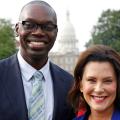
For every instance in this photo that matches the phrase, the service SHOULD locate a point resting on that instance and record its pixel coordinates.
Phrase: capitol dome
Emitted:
(68, 41)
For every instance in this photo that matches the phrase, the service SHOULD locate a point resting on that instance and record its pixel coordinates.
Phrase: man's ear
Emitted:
(16, 30)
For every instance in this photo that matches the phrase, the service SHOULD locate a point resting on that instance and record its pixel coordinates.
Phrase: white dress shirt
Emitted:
(27, 71)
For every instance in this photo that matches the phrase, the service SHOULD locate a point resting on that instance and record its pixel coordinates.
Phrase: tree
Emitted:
(7, 39)
(107, 30)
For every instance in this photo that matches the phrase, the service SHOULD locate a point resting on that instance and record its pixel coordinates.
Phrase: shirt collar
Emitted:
(27, 70)
(46, 69)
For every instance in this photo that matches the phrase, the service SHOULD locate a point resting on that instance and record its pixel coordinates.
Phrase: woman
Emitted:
(97, 84)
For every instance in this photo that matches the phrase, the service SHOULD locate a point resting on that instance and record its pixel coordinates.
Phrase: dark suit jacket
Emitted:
(12, 97)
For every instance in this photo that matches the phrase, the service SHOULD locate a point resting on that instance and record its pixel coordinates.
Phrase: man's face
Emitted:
(36, 42)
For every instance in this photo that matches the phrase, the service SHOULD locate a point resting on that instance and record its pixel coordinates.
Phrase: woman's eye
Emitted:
(108, 81)
(91, 80)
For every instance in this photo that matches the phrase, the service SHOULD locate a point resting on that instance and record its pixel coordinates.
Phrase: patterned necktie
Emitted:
(36, 109)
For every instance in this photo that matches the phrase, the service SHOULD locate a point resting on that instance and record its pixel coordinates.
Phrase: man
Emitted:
(37, 31)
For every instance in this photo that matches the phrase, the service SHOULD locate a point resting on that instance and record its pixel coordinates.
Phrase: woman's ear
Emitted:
(81, 87)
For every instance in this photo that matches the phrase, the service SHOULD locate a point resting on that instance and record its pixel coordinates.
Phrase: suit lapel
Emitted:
(62, 82)
(14, 88)
(57, 89)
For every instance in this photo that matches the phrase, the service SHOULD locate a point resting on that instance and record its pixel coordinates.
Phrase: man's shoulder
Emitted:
(60, 70)
(7, 61)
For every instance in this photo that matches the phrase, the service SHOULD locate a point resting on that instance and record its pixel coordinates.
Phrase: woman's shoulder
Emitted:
(79, 118)
(116, 115)
(82, 117)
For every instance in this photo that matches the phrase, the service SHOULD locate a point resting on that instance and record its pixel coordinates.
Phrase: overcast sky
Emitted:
(83, 14)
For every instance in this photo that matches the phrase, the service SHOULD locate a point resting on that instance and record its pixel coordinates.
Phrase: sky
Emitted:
(84, 14)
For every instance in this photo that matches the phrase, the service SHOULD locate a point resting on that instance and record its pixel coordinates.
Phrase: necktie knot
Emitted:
(38, 75)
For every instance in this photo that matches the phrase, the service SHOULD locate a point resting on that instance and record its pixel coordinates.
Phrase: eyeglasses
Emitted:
(32, 26)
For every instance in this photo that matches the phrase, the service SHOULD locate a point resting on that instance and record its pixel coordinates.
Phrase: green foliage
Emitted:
(107, 30)
(7, 39)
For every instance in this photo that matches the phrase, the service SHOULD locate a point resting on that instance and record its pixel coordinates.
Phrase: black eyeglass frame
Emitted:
(34, 26)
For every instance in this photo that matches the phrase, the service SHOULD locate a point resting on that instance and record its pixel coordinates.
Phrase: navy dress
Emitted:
(115, 116)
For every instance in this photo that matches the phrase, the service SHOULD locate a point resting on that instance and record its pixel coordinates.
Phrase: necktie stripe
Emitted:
(37, 100)
(38, 96)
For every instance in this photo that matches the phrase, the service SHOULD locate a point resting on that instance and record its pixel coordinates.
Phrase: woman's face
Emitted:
(99, 85)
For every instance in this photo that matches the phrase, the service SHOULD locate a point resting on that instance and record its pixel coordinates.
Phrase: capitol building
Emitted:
(67, 54)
